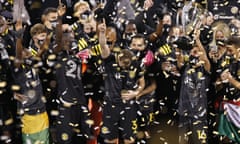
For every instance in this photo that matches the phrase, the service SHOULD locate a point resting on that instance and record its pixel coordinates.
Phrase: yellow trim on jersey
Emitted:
(165, 49)
(34, 52)
(34, 123)
(96, 50)
(82, 43)
(74, 26)
(10, 2)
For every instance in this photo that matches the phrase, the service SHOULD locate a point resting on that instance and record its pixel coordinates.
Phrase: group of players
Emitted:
(106, 77)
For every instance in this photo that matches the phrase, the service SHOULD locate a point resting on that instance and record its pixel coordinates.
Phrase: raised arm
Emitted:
(158, 32)
(179, 57)
(19, 47)
(59, 33)
(102, 39)
(203, 55)
(227, 77)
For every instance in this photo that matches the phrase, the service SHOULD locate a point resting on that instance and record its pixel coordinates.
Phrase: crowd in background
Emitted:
(107, 71)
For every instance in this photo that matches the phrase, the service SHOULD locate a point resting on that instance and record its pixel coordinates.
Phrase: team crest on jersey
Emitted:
(105, 130)
(132, 74)
(64, 136)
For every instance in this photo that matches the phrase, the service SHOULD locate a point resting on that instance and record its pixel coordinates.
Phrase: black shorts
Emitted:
(145, 103)
(71, 121)
(6, 119)
(198, 127)
(119, 120)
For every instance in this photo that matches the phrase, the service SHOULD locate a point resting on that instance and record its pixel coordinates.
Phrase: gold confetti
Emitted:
(3, 84)
(15, 87)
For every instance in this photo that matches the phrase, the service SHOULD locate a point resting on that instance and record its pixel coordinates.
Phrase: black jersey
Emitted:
(46, 75)
(117, 80)
(9, 39)
(113, 80)
(27, 78)
(77, 27)
(193, 93)
(4, 73)
(93, 79)
(131, 75)
(68, 75)
(232, 92)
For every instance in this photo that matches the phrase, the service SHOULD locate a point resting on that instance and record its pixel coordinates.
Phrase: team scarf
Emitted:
(229, 120)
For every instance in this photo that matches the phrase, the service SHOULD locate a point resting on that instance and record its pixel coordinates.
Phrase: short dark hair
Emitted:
(129, 22)
(49, 10)
(233, 40)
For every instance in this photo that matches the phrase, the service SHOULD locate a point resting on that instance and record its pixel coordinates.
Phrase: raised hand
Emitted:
(102, 26)
(225, 75)
(21, 98)
(102, 39)
(148, 4)
(61, 9)
(129, 94)
(18, 25)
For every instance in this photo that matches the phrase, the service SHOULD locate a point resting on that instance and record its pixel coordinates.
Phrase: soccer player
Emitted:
(229, 108)
(73, 117)
(29, 94)
(192, 105)
(119, 110)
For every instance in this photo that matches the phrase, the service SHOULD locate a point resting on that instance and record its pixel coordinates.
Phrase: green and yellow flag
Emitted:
(35, 129)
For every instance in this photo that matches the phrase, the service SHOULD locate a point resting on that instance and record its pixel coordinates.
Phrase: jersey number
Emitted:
(73, 70)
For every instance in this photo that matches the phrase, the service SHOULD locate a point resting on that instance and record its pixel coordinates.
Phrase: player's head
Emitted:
(233, 46)
(49, 17)
(38, 33)
(82, 11)
(125, 58)
(138, 43)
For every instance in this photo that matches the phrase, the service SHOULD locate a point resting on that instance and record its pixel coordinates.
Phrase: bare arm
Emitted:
(59, 33)
(141, 83)
(154, 36)
(234, 82)
(19, 46)
(19, 56)
(45, 45)
(102, 40)
(148, 89)
(226, 76)
(180, 58)
(130, 94)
